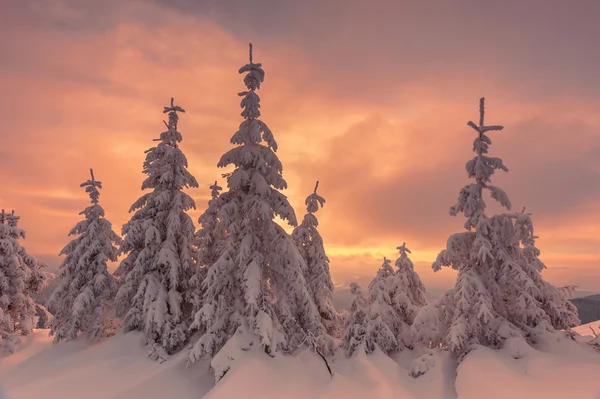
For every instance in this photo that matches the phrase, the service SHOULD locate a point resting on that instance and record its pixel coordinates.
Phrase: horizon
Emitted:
(381, 124)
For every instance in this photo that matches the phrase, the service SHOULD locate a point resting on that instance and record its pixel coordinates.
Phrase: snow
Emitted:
(586, 329)
(119, 368)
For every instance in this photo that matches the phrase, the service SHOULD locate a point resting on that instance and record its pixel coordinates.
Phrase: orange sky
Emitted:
(373, 102)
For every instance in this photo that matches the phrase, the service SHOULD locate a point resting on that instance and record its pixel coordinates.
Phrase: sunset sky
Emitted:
(371, 98)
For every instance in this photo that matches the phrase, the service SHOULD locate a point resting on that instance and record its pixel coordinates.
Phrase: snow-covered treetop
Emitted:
(9, 218)
(171, 136)
(481, 168)
(386, 269)
(91, 187)
(404, 262)
(314, 200)
(250, 155)
(214, 190)
(251, 129)
(355, 289)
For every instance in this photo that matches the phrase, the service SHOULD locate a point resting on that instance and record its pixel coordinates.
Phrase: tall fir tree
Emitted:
(499, 290)
(210, 237)
(310, 244)
(159, 247)
(83, 300)
(407, 294)
(257, 284)
(21, 277)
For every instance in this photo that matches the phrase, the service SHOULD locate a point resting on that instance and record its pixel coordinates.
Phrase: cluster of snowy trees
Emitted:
(242, 273)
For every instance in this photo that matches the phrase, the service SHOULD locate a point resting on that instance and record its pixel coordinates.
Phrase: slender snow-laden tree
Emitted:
(407, 294)
(21, 278)
(310, 244)
(354, 324)
(210, 238)
(84, 298)
(381, 319)
(159, 247)
(257, 284)
(499, 291)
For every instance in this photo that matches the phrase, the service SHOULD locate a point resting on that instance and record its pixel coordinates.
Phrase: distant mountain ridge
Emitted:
(588, 308)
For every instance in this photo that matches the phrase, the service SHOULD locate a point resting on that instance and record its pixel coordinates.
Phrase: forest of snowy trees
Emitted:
(193, 287)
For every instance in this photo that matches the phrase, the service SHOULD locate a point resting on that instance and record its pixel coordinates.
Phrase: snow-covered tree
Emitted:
(159, 247)
(310, 244)
(354, 324)
(407, 294)
(84, 297)
(21, 278)
(499, 290)
(210, 238)
(381, 319)
(257, 284)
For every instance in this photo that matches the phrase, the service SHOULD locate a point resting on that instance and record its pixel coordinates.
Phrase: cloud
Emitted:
(377, 116)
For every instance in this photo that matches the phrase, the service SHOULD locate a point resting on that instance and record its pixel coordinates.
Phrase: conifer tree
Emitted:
(210, 238)
(83, 301)
(499, 290)
(257, 284)
(407, 294)
(159, 247)
(381, 318)
(310, 244)
(354, 324)
(21, 278)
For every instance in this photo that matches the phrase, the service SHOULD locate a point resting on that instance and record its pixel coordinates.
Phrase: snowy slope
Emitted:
(586, 329)
(118, 368)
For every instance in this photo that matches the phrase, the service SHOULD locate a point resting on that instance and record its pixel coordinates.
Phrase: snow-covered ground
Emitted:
(119, 368)
(586, 329)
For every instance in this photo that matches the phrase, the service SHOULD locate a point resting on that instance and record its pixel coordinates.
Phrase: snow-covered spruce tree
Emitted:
(407, 295)
(159, 247)
(21, 277)
(499, 291)
(354, 324)
(381, 319)
(210, 239)
(84, 298)
(257, 284)
(310, 244)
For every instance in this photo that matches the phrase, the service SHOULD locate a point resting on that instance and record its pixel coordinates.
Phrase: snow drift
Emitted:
(557, 367)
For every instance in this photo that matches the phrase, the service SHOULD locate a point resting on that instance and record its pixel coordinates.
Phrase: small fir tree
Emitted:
(499, 290)
(381, 319)
(159, 247)
(354, 324)
(83, 301)
(310, 244)
(407, 294)
(210, 237)
(257, 284)
(21, 278)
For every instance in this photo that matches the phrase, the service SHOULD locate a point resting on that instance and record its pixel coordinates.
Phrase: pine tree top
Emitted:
(9, 218)
(91, 187)
(314, 201)
(171, 137)
(403, 262)
(480, 168)
(386, 269)
(215, 190)
(403, 250)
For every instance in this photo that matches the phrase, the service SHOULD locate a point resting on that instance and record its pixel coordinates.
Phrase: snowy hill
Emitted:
(119, 368)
